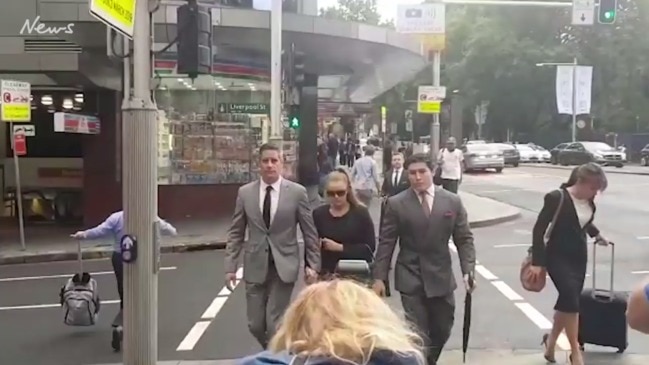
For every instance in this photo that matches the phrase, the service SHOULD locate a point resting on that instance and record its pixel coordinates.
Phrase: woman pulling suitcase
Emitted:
(565, 255)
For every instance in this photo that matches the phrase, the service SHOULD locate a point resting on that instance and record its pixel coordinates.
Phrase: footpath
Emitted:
(487, 357)
(45, 244)
(626, 170)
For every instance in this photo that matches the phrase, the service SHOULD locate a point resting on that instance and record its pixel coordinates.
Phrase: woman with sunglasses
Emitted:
(344, 225)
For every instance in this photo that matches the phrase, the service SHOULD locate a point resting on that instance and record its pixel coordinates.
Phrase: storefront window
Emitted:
(210, 129)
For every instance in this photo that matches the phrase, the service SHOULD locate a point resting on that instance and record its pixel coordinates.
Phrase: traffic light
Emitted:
(194, 39)
(294, 117)
(607, 11)
(298, 67)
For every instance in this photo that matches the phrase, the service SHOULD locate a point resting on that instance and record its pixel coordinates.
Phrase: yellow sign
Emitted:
(16, 101)
(117, 14)
(432, 42)
(429, 106)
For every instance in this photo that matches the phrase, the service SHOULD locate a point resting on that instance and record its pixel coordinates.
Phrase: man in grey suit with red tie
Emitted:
(270, 209)
(423, 219)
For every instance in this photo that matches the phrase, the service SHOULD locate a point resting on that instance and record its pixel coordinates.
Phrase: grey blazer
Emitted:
(293, 209)
(424, 263)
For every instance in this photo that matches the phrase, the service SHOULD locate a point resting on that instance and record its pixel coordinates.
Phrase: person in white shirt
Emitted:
(450, 162)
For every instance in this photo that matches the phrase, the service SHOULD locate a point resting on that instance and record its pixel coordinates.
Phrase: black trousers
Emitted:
(118, 268)
(433, 317)
(450, 185)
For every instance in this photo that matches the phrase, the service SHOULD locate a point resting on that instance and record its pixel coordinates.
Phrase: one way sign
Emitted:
(583, 12)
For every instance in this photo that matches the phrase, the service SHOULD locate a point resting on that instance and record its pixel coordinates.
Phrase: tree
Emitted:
(362, 11)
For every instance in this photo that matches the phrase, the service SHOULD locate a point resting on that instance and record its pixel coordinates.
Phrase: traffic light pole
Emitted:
(140, 201)
(276, 71)
(435, 126)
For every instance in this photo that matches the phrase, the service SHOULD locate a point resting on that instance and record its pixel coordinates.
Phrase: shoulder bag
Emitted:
(529, 281)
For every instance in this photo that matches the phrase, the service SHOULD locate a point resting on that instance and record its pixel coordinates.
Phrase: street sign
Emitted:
(28, 129)
(244, 108)
(20, 144)
(16, 101)
(429, 99)
(117, 14)
(432, 42)
(421, 19)
(583, 12)
(76, 123)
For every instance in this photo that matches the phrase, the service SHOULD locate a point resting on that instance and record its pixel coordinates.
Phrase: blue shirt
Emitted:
(364, 174)
(113, 226)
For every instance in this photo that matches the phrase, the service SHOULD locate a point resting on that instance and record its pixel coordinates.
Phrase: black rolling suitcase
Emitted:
(602, 314)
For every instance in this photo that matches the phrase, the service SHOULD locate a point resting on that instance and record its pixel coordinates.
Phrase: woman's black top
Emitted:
(354, 230)
(568, 238)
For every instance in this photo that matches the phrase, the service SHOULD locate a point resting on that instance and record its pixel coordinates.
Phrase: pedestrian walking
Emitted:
(270, 210)
(365, 176)
(113, 227)
(395, 180)
(422, 219)
(638, 311)
(344, 224)
(563, 253)
(450, 162)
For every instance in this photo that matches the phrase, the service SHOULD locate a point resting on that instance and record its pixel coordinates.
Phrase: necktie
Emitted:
(396, 178)
(266, 209)
(424, 203)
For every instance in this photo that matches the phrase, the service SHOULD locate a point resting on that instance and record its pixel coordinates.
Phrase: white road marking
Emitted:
(641, 272)
(642, 238)
(524, 232)
(532, 313)
(199, 328)
(506, 290)
(513, 245)
(47, 306)
(58, 276)
(193, 336)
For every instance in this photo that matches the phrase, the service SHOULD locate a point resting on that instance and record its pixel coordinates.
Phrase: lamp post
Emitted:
(574, 65)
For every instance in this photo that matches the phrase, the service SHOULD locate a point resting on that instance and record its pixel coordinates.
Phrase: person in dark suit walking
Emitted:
(423, 219)
(395, 180)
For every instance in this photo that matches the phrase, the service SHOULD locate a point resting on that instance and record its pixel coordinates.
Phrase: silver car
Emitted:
(480, 157)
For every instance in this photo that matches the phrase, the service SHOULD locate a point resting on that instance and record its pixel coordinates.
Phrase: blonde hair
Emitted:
(340, 175)
(343, 320)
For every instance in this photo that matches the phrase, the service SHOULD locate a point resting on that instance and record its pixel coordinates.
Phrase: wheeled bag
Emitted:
(602, 313)
(80, 297)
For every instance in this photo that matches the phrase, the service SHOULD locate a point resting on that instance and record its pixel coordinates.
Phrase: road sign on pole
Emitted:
(16, 101)
(583, 12)
(117, 14)
(421, 19)
(429, 99)
(20, 144)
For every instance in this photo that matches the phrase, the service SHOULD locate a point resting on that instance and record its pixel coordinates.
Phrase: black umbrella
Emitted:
(466, 327)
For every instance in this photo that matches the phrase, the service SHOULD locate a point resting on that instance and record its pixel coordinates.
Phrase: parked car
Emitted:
(528, 153)
(582, 152)
(481, 157)
(544, 154)
(644, 156)
(510, 154)
(554, 153)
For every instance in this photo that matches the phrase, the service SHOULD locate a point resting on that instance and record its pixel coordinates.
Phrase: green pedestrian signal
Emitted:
(294, 117)
(607, 11)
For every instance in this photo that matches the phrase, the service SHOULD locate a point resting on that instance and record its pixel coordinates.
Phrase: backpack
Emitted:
(80, 301)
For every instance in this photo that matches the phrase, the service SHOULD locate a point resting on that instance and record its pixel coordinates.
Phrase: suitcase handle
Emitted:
(597, 293)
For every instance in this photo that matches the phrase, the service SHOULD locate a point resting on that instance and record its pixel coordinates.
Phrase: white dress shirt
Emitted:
(274, 196)
(396, 176)
(430, 196)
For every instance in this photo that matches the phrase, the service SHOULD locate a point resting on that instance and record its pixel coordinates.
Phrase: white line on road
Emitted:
(534, 315)
(641, 272)
(642, 238)
(524, 232)
(193, 336)
(513, 245)
(47, 306)
(199, 328)
(58, 276)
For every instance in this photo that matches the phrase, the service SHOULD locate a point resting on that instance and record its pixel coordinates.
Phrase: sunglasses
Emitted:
(337, 193)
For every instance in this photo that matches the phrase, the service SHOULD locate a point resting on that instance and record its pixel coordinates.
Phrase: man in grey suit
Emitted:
(423, 219)
(270, 208)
